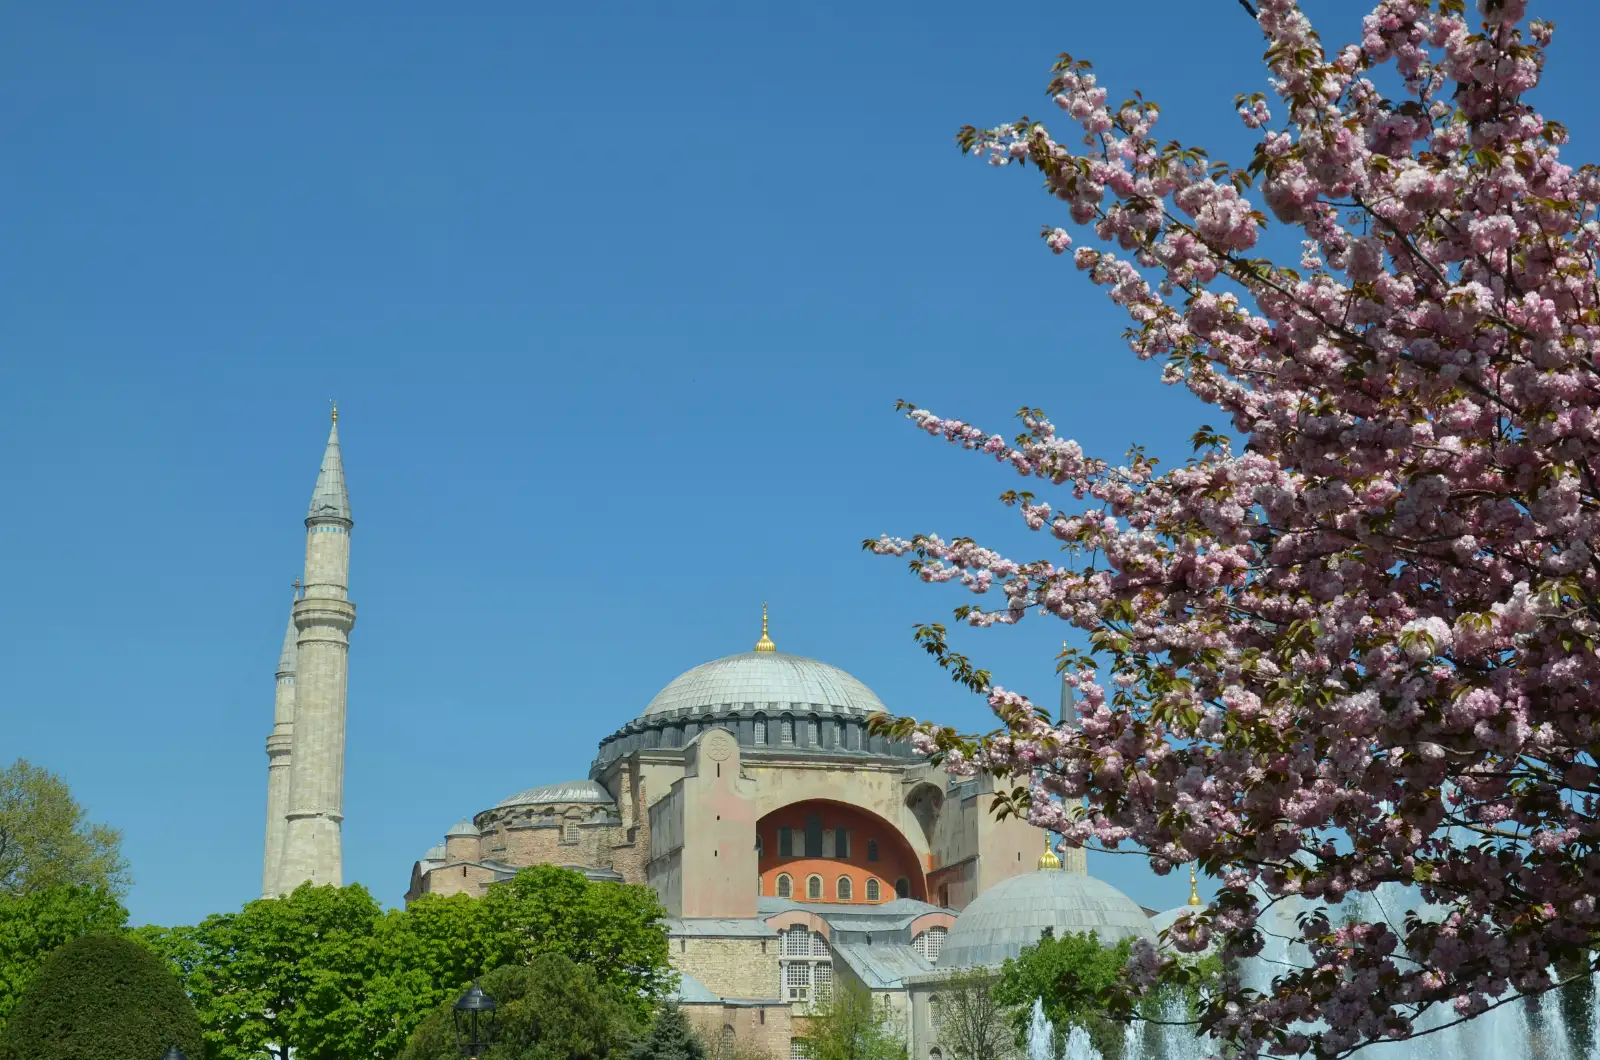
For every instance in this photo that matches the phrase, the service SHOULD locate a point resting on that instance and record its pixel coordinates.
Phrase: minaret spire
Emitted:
(280, 755)
(323, 618)
(765, 643)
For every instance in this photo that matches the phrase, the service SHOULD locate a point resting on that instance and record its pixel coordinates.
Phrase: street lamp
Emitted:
(474, 1017)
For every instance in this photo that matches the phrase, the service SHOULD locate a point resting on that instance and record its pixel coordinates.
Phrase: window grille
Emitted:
(930, 942)
(822, 981)
(814, 888)
(819, 945)
(844, 889)
(786, 732)
(798, 1050)
(797, 981)
(873, 893)
(785, 885)
(811, 733)
(797, 942)
(761, 732)
(569, 833)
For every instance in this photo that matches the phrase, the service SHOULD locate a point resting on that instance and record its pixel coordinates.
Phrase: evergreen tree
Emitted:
(670, 1038)
(102, 997)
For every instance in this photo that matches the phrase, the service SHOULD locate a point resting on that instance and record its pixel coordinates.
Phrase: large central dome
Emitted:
(765, 680)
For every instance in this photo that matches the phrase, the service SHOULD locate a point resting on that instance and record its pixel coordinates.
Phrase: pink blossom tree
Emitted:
(1361, 648)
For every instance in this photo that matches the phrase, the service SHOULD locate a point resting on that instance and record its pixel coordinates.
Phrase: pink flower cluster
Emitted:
(1364, 648)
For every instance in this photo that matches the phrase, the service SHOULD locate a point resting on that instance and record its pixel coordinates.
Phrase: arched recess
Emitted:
(926, 802)
(828, 838)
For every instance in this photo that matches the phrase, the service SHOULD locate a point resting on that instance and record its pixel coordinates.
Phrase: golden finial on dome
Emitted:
(1194, 888)
(1048, 859)
(765, 643)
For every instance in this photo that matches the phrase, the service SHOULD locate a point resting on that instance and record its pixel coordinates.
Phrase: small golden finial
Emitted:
(1048, 859)
(335, 404)
(297, 587)
(765, 643)
(1194, 887)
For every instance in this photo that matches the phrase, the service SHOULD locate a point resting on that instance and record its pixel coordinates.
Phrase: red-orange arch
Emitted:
(897, 859)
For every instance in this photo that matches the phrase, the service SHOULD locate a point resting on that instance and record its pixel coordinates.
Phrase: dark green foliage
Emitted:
(102, 997)
(1068, 974)
(552, 1009)
(670, 1038)
(35, 924)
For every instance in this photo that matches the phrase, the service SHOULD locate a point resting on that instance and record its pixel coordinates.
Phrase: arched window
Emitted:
(844, 889)
(929, 943)
(761, 730)
(785, 885)
(786, 731)
(873, 892)
(933, 1012)
(935, 1054)
(872, 850)
(727, 1034)
(902, 888)
(813, 736)
(814, 888)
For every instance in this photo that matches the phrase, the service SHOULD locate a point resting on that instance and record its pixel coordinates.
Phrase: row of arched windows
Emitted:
(844, 888)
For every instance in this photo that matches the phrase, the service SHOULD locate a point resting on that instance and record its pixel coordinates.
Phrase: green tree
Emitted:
(670, 1038)
(618, 929)
(32, 925)
(552, 1009)
(101, 997)
(283, 973)
(852, 1026)
(45, 840)
(1067, 974)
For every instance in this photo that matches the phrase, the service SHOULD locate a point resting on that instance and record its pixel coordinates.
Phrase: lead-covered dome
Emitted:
(1014, 913)
(767, 681)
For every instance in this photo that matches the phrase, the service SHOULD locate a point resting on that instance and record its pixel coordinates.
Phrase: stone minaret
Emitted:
(323, 616)
(1073, 859)
(280, 746)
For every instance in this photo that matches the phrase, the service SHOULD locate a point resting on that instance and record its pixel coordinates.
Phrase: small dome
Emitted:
(1014, 913)
(768, 681)
(463, 827)
(582, 791)
(435, 853)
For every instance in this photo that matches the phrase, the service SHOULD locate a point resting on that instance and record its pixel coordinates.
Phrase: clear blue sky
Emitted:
(616, 305)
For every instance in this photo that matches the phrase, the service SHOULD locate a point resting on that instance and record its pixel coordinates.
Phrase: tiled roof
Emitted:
(1014, 913)
(721, 927)
(882, 965)
(766, 680)
(576, 791)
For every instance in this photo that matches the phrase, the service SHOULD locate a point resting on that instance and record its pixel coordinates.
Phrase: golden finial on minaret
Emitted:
(765, 643)
(1048, 859)
(334, 402)
(1194, 888)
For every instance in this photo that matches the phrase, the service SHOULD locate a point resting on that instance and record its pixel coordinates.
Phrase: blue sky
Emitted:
(616, 306)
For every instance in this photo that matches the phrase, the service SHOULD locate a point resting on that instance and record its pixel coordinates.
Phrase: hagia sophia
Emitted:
(792, 848)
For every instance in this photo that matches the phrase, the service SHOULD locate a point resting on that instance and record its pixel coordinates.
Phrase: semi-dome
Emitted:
(1014, 913)
(568, 791)
(765, 680)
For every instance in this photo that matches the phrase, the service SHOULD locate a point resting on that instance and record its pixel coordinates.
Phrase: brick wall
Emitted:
(762, 1029)
(729, 967)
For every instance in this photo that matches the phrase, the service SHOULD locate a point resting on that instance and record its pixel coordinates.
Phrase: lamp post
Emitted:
(474, 1018)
